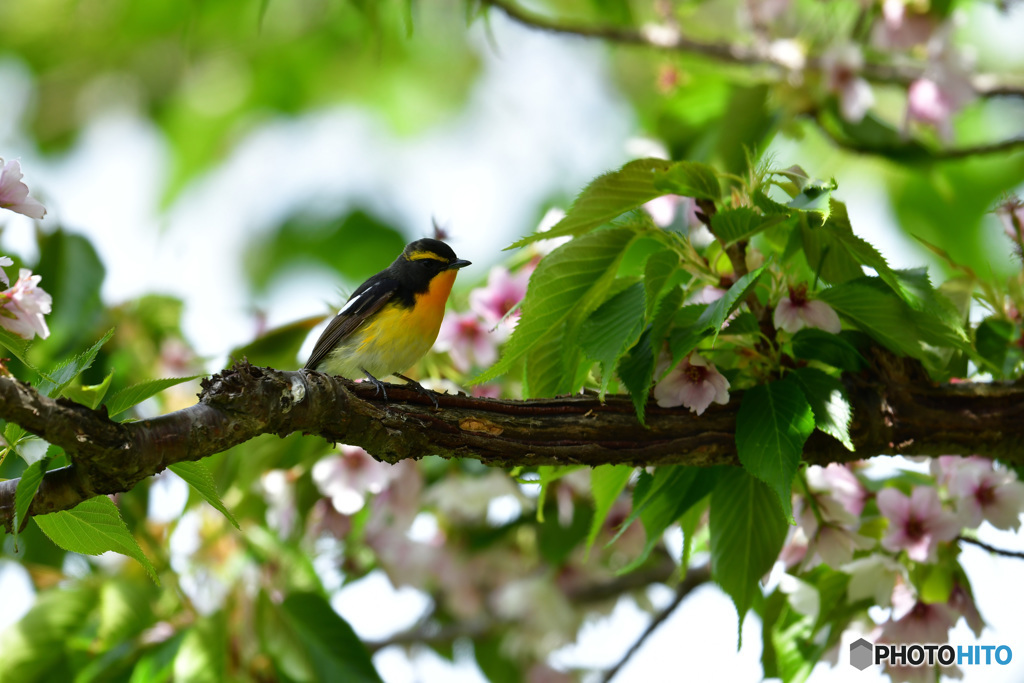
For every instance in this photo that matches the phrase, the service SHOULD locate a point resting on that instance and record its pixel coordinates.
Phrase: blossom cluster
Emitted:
(883, 536)
(471, 338)
(24, 304)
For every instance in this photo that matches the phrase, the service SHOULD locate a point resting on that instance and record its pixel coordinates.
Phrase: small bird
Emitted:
(392, 319)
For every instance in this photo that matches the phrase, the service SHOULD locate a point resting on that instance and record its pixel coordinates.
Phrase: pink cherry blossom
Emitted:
(842, 65)
(502, 294)
(900, 29)
(923, 623)
(916, 524)
(14, 193)
(796, 311)
(926, 102)
(23, 306)
(694, 383)
(4, 262)
(1011, 213)
(841, 483)
(468, 340)
(982, 493)
(347, 478)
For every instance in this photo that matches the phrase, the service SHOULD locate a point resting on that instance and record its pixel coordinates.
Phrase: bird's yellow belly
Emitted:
(395, 338)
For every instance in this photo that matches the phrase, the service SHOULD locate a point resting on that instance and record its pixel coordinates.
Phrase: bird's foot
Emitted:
(419, 388)
(377, 383)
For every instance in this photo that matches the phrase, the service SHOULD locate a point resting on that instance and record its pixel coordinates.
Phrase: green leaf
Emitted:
(72, 273)
(665, 497)
(832, 349)
(606, 484)
(197, 474)
(636, 370)
(828, 399)
(711, 320)
(740, 223)
(747, 531)
(568, 283)
(158, 664)
(826, 256)
(772, 425)
(607, 197)
(124, 610)
(93, 527)
(16, 345)
(329, 643)
(36, 647)
(659, 268)
(54, 383)
(879, 313)
(203, 653)
(612, 329)
(29, 483)
(690, 179)
(994, 341)
(91, 395)
(814, 199)
(137, 393)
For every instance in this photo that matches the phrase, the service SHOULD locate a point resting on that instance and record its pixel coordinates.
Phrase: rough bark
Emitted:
(896, 409)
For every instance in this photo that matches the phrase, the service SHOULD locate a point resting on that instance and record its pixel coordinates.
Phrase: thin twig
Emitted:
(992, 549)
(694, 578)
(669, 38)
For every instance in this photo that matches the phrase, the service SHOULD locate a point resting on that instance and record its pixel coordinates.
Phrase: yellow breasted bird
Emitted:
(392, 319)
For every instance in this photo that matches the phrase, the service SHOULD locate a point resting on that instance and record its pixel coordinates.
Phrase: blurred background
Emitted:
(219, 175)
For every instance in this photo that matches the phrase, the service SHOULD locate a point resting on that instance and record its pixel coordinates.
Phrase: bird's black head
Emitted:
(422, 260)
(433, 254)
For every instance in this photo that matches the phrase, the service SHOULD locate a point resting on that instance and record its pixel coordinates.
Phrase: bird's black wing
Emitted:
(363, 303)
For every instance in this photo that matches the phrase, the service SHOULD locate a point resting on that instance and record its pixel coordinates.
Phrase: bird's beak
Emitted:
(458, 263)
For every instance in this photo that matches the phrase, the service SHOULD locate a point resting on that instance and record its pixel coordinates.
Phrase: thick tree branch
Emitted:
(897, 410)
(670, 38)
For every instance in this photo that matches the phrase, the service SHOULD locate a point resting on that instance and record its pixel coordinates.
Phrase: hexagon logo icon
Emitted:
(861, 654)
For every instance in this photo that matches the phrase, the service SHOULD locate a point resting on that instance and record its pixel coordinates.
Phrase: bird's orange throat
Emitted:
(430, 304)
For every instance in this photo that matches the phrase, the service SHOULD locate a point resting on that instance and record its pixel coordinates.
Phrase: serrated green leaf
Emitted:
(690, 179)
(714, 316)
(606, 484)
(826, 255)
(832, 349)
(772, 425)
(994, 341)
(665, 497)
(331, 646)
(659, 268)
(29, 483)
(814, 200)
(53, 384)
(612, 329)
(16, 345)
(607, 197)
(91, 395)
(93, 527)
(198, 476)
(568, 283)
(740, 223)
(137, 393)
(879, 313)
(747, 532)
(829, 402)
(636, 369)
